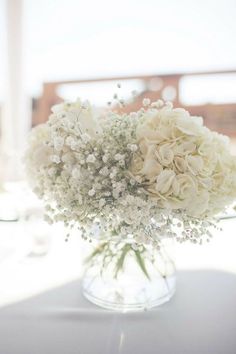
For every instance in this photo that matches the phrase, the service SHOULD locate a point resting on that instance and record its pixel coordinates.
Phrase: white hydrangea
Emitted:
(182, 164)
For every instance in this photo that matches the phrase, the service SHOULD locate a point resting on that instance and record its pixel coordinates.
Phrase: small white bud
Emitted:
(146, 102)
(118, 157)
(105, 158)
(55, 158)
(92, 192)
(91, 158)
(157, 104)
(132, 147)
(102, 202)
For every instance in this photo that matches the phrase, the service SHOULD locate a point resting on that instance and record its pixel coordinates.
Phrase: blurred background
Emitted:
(50, 50)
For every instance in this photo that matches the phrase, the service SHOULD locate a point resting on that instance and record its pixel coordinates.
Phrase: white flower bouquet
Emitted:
(131, 180)
(140, 176)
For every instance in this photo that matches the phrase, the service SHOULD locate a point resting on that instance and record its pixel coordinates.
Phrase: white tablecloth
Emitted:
(42, 310)
(200, 319)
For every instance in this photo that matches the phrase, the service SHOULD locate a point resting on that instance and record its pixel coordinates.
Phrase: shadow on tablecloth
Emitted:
(199, 319)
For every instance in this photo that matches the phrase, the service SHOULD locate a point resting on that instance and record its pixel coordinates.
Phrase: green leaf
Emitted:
(141, 263)
(120, 262)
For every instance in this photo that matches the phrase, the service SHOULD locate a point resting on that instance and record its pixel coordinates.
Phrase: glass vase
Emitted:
(119, 277)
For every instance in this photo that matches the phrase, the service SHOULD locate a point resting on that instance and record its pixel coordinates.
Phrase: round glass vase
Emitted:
(118, 277)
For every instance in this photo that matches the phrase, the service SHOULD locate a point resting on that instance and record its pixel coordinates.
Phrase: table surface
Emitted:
(201, 318)
(42, 309)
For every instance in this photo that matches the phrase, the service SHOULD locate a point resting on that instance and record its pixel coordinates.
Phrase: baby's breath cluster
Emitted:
(134, 178)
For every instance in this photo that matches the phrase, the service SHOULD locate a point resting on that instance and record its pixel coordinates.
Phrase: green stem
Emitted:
(105, 251)
(120, 262)
(141, 263)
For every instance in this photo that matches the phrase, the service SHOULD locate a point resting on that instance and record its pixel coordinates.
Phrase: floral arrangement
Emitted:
(137, 177)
